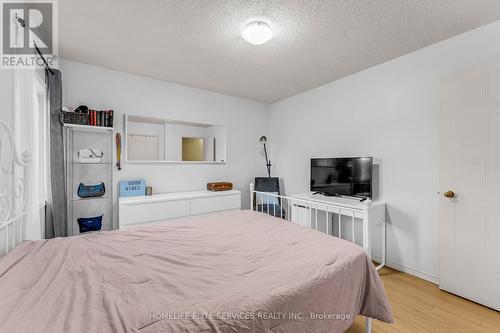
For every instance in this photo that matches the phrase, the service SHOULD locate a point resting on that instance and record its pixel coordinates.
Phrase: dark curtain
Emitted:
(56, 214)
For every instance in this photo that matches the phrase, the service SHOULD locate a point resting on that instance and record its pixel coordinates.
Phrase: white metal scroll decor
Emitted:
(14, 180)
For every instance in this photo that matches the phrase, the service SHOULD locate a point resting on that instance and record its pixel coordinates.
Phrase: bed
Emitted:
(238, 271)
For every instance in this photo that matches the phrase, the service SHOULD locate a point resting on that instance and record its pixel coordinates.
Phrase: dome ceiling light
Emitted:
(257, 33)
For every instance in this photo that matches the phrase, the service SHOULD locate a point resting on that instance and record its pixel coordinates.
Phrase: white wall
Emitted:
(124, 93)
(390, 112)
(7, 96)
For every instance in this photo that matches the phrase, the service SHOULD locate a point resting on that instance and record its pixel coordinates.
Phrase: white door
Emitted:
(469, 230)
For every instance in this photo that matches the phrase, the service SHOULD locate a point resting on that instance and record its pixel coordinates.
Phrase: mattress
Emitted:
(239, 271)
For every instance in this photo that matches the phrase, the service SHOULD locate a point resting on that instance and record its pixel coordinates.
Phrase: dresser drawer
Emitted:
(162, 207)
(151, 212)
(215, 204)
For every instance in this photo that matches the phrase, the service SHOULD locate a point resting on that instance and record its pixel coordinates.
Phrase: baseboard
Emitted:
(409, 270)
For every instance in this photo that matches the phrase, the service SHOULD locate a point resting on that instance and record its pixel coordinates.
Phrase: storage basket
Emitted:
(77, 118)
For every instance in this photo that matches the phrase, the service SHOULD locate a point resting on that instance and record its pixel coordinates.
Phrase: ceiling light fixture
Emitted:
(257, 33)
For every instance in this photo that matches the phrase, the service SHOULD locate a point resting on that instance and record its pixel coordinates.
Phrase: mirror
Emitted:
(164, 140)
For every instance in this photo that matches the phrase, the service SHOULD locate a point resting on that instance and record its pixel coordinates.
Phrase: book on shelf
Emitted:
(102, 118)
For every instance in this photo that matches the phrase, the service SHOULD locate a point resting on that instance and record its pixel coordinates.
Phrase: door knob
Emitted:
(449, 194)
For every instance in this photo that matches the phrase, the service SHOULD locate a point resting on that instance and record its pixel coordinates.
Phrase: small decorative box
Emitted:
(132, 188)
(219, 186)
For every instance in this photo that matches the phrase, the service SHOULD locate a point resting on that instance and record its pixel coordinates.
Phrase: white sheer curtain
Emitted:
(31, 128)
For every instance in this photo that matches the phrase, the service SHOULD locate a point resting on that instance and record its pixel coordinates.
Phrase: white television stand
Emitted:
(369, 213)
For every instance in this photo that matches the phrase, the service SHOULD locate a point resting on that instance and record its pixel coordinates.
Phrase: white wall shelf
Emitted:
(174, 162)
(89, 128)
(90, 199)
(167, 156)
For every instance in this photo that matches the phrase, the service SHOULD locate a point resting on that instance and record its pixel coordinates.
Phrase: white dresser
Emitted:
(159, 207)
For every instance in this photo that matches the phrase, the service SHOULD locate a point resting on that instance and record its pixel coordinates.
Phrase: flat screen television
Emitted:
(342, 176)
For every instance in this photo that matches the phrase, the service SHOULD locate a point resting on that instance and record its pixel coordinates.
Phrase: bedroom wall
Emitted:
(390, 112)
(7, 96)
(245, 120)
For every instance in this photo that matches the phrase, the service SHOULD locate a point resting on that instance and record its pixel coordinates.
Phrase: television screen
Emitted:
(342, 176)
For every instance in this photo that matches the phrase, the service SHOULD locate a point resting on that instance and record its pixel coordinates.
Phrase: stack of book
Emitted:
(101, 118)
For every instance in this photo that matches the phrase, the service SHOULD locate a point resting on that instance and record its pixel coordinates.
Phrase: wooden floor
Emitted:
(420, 306)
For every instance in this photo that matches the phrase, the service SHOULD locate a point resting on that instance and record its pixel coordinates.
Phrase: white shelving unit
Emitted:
(78, 137)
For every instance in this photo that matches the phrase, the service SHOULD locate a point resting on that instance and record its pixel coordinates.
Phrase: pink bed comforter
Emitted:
(236, 271)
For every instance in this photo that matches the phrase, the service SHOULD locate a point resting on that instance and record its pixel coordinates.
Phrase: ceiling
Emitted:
(197, 42)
